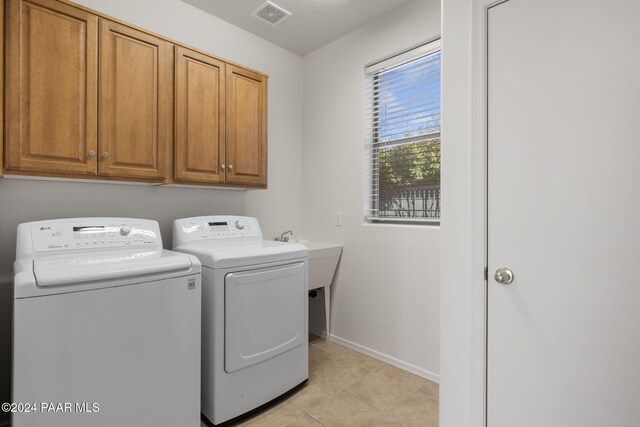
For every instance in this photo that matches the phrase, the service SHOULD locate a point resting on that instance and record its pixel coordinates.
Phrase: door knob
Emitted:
(503, 276)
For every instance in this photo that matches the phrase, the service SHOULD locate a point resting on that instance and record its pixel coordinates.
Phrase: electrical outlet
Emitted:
(338, 219)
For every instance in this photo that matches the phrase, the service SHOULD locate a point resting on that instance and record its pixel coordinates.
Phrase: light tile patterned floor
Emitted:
(349, 389)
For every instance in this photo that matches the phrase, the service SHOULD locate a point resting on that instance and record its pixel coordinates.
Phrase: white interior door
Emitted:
(564, 213)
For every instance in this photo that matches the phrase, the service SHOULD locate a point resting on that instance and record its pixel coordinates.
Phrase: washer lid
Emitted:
(109, 265)
(251, 252)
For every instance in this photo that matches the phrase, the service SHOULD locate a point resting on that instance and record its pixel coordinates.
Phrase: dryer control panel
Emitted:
(215, 227)
(92, 233)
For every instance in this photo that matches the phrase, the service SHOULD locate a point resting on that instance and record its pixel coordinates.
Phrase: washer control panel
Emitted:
(216, 227)
(85, 233)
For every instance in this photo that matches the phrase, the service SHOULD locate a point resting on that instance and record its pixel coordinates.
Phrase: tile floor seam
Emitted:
(362, 400)
(300, 417)
(370, 409)
(383, 417)
(386, 411)
(315, 419)
(316, 405)
(409, 392)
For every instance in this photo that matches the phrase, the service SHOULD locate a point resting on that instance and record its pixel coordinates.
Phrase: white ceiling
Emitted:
(313, 23)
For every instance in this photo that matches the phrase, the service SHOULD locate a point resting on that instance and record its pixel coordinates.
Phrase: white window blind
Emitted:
(402, 122)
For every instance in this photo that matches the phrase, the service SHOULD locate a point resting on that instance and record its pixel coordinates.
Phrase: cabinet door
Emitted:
(246, 117)
(136, 103)
(51, 87)
(199, 151)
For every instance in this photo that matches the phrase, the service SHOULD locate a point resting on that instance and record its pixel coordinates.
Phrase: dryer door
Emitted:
(265, 312)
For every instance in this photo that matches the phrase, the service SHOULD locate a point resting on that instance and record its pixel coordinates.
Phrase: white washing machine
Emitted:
(254, 313)
(106, 328)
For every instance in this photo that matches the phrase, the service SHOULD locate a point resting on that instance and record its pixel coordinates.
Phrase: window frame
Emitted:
(372, 73)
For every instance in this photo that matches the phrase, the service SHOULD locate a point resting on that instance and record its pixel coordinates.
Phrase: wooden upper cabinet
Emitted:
(51, 88)
(86, 96)
(246, 127)
(200, 125)
(136, 102)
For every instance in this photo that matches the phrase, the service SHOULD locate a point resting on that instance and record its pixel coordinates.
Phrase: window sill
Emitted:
(408, 225)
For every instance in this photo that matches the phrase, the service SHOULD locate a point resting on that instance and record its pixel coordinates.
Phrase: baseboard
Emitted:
(386, 358)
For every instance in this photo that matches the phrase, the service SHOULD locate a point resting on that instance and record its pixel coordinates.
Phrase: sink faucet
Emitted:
(283, 237)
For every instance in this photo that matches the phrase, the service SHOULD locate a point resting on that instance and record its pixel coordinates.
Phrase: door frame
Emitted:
(479, 208)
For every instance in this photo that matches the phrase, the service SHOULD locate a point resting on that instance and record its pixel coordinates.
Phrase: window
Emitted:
(402, 96)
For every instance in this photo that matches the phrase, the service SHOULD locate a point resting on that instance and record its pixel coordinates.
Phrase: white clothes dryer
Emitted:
(254, 313)
(106, 326)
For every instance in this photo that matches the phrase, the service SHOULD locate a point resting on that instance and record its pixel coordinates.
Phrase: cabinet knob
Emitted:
(230, 167)
(222, 166)
(92, 153)
(105, 154)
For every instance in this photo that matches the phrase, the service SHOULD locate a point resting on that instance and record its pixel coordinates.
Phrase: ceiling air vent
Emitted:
(271, 13)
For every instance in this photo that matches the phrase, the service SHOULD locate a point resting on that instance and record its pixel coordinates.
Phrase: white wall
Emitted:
(460, 390)
(278, 208)
(386, 296)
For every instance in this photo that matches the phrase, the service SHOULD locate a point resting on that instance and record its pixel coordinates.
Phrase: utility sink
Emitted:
(323, 260)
